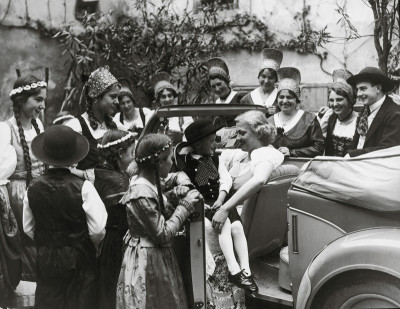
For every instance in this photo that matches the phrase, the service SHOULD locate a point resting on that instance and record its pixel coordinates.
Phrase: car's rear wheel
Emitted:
(359, 289)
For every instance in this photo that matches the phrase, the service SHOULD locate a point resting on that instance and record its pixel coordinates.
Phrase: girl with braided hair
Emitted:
(18, 167)
(150, 276)
(101, 92)
(111, 182)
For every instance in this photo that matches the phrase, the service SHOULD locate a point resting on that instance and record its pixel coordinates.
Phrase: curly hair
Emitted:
(18, 100)
(111, 154)
(258, 123)
(89, 109)
(148, 146)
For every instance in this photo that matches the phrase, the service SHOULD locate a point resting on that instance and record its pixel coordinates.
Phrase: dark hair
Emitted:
(272, 71)
(291, 93)
(161, 91)
(220, 76)
(110, 154)
(89, 106)
(18, 100)
(148, 146)
(342, 93)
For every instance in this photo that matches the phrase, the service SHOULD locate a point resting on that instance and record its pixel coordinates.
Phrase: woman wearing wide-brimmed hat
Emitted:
(342, 121)
(298, 132)
(378, 125)
(66, 218)
(265, 95)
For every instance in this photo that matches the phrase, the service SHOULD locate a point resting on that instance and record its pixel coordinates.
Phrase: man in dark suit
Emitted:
(378, 125)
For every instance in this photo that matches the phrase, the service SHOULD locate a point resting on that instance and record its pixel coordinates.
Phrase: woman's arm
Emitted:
(316, 142)
(253, 185)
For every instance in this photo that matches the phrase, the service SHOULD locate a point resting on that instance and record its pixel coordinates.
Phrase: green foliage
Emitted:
(156, 40)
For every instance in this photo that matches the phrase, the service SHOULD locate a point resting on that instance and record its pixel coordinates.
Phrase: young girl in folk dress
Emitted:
(19, 167)
(111, 182)
(101, 92)
(150, 276)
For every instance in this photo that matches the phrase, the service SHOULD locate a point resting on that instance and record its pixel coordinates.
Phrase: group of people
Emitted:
(89, 212)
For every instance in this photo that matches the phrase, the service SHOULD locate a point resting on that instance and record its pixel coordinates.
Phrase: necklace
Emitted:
(285, 122)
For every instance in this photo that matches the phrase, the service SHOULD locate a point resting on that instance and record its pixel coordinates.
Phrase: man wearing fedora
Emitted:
(66, 218)
(378, 125)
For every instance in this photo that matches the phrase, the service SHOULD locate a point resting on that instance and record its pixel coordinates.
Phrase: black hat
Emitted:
(199, 129)
(374, 75)
(60, 145)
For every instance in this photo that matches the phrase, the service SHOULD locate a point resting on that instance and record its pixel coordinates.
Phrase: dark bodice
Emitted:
(56, 203)
(305, 139)
(93, 156)
(210, 190)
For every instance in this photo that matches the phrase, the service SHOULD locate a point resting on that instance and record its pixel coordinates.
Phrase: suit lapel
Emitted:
(377, 120)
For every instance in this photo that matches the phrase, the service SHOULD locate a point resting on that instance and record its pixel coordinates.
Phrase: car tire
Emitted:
(359, 289)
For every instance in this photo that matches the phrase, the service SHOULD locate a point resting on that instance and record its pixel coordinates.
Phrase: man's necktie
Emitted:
(362, 121)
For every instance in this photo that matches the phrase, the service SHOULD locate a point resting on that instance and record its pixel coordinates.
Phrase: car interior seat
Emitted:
(264, 216)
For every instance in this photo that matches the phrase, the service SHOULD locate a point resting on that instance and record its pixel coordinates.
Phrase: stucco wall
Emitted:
(24, 49)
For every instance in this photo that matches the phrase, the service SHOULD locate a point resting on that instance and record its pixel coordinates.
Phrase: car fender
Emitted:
(372, 249)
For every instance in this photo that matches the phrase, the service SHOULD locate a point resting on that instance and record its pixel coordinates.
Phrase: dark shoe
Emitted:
(242, 280)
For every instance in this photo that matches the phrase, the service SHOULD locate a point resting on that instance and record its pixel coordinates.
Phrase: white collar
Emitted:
(257, 99)
(377, 104)
(228, 99)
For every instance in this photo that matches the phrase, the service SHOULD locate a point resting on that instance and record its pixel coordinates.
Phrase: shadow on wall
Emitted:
(24, 49)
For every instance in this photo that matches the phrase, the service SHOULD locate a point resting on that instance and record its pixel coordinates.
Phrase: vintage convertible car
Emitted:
(322, 233)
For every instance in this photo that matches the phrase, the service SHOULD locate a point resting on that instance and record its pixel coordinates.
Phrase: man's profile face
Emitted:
(367, 93)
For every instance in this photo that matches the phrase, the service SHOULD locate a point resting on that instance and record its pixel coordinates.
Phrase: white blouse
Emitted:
(346, 128)
(98, 133)
(288, 125)
(137, 122)
(258, 100)
(8, 154)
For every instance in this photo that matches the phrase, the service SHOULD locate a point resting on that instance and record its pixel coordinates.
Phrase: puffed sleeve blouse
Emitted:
(9, 161)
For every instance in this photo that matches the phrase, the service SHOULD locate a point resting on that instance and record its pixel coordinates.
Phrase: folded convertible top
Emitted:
(370, 181)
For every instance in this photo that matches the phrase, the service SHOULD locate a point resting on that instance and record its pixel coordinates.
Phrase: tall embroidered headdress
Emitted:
(289, 79)
(340, 77)
(218, 68)
(270, 59)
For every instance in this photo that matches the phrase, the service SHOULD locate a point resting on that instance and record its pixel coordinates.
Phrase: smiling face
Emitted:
(340, 104)
(367, 93)
(267, 80)
(166, 97)
(205, 146)
(126, 104)
(165, 164)
(107, 102)
(287, 102)
(247, 140)
(34, 104)
(220, 87)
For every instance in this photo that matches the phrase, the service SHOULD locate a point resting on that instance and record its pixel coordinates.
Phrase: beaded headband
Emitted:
(118, 141)
(156, 154)
(99, 80)
(28, 87)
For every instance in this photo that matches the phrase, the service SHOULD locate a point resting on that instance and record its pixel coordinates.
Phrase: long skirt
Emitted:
(24, 295)
(150, 278)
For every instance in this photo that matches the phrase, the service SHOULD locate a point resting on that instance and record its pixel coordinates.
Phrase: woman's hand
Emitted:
(192, 197)
(285, 151)
(217, 205)
(219, 219)
(181, 191)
